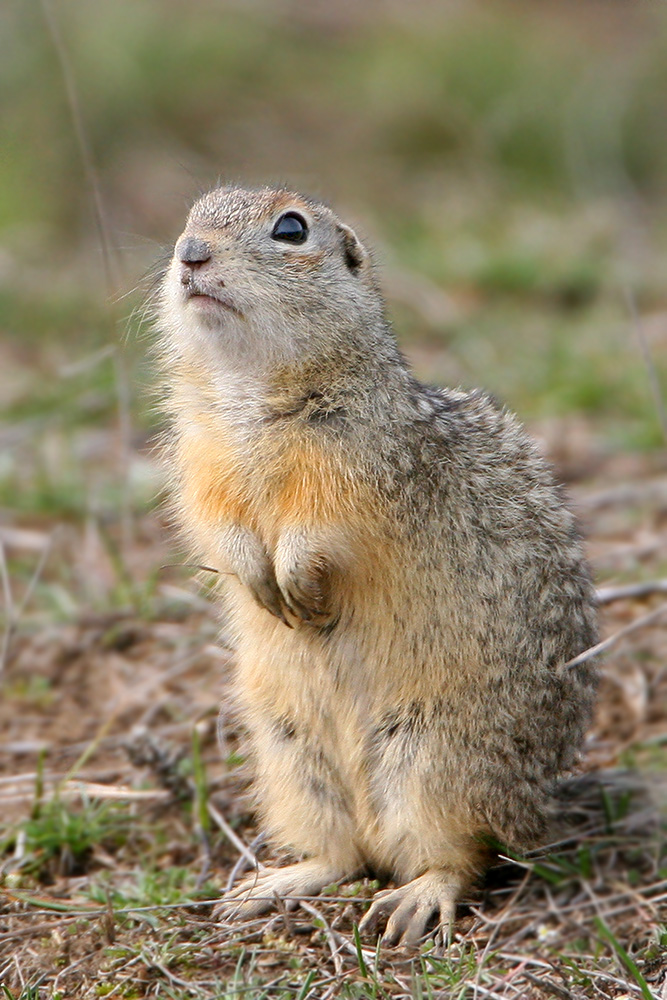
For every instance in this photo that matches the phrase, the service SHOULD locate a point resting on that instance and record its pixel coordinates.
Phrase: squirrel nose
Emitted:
(193, 251)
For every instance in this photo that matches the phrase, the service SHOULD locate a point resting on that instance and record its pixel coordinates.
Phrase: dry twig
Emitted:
(644, 622)
(233, 838)
(607, 595)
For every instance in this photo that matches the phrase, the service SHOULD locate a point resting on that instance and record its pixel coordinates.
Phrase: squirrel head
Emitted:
(265, 277)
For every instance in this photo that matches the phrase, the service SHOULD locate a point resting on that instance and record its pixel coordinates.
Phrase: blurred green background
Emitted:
(507, 160)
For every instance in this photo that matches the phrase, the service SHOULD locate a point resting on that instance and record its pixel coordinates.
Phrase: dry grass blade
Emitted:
(13, 614)
(607, 595)
(104, 233)
(334, 945)
(24, 538)
(654, 378)
(73, 790)
(9, 609)
(645, 621)
(233, 838)
(243, 862)
(547, 986)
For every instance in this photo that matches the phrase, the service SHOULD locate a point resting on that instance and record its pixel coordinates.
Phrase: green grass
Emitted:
(627, 962)
(58, 837)
(29, 992)
(151, 887)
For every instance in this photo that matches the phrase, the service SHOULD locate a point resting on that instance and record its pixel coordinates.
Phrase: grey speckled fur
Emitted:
(407, 580)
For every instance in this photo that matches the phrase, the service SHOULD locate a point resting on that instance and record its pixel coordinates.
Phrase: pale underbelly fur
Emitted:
(325, 781)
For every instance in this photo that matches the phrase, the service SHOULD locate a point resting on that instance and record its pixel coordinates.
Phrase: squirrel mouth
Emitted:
(208, 299)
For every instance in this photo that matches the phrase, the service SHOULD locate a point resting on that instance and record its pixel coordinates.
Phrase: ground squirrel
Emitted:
(401, 577)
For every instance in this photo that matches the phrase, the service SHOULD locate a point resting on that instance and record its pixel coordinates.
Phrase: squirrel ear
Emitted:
(356, 254)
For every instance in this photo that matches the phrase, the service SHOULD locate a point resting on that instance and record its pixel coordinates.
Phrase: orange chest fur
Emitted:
(278, 481)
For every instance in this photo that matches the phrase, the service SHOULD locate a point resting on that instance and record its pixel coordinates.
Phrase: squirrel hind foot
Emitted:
(411, 909)
(258, 891)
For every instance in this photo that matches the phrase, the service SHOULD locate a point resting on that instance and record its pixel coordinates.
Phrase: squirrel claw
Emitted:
(410, 910)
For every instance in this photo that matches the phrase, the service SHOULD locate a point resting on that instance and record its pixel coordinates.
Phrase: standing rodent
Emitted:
(403, 580)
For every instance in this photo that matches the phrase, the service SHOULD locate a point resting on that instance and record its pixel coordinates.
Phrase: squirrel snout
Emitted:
(192, 251)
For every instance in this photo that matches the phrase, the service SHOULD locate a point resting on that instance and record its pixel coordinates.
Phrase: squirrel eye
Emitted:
(290, 227)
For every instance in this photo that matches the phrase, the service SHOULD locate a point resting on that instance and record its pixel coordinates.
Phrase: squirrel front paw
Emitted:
(307, 593)
(267, 593)
(244, 552)
(304, 574)
(296, 585)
